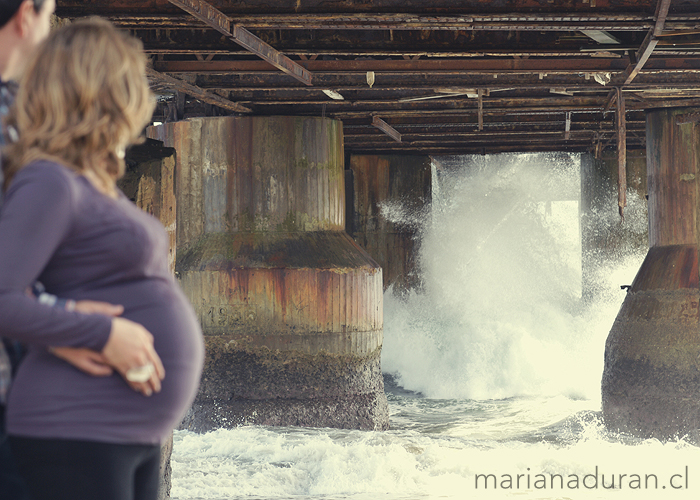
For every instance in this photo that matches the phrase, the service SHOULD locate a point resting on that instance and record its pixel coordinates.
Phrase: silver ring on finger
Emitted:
(140, 373)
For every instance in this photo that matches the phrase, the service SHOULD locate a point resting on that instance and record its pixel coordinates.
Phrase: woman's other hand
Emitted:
(95, 307)
(91, 362)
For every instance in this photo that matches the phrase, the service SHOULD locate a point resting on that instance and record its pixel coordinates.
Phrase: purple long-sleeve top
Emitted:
(55, 227)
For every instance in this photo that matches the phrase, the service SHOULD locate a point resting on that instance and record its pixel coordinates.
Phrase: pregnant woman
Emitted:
(82, 100)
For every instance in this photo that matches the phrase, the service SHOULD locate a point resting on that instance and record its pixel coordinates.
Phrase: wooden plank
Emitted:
(386, 128)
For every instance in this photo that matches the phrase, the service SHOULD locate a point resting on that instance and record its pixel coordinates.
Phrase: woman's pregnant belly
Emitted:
(51, 399)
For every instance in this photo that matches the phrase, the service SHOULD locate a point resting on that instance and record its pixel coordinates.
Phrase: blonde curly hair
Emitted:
(83, 98)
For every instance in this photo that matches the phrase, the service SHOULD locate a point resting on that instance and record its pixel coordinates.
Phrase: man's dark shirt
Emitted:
(7, 95)
(11, 484)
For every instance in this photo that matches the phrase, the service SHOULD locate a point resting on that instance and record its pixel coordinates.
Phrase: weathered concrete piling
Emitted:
(651, 380)
(399, 182)
(290, 306)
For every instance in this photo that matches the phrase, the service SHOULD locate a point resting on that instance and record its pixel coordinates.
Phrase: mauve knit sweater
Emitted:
(56, 228)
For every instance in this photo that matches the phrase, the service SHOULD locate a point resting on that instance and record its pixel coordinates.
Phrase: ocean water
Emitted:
(492, 368)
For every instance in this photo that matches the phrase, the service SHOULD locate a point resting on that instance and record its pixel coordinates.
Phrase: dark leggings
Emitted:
(67, 469)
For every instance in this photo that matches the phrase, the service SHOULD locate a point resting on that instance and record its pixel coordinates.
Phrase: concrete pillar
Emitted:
(606, 239)
(651, 379)
(149, 181)
(290, 305)
(401, 184)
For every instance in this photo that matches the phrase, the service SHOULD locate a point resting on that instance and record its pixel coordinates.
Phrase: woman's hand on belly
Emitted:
(130, 346)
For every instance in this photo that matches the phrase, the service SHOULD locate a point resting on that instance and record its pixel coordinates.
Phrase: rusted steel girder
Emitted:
(246, 39)
(636, 119)
(621, 153)
(386, 128)
(513, 65)
(409, 22)
(376, 42)
(525, 66)
(419, 128)
(649, 43)
(422, 7)
(217, 20)
(196, 92)
(480, 108)
(206, 13)
(489, 22)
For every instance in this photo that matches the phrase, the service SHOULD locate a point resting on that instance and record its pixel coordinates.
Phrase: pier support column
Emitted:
(606, 239)
(389, 196)
(290, 305)
(651, 379)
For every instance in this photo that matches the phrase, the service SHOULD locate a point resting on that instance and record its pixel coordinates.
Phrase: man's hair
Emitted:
(8, 8)
(83, 97)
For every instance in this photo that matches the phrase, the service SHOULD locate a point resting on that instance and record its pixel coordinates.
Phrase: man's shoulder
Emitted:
(8, 90)
(7, 97)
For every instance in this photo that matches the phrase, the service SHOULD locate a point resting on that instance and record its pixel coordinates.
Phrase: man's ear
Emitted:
(25, 17)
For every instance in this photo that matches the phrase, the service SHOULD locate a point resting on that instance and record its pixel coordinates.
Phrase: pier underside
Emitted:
(424, 77)
(296, 121)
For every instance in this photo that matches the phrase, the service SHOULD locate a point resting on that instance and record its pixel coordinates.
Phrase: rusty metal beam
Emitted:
(321, 8)
(621, 153)
(386, 128)
(660, 16)
(612, 96)
(496, 136)
(525, 66)
(553, 68)
(196, 92)
(208, 14)
(251, 42)
(642, 55)
(480, 104)
(220, 22)
(482, 21)
(650, 41)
